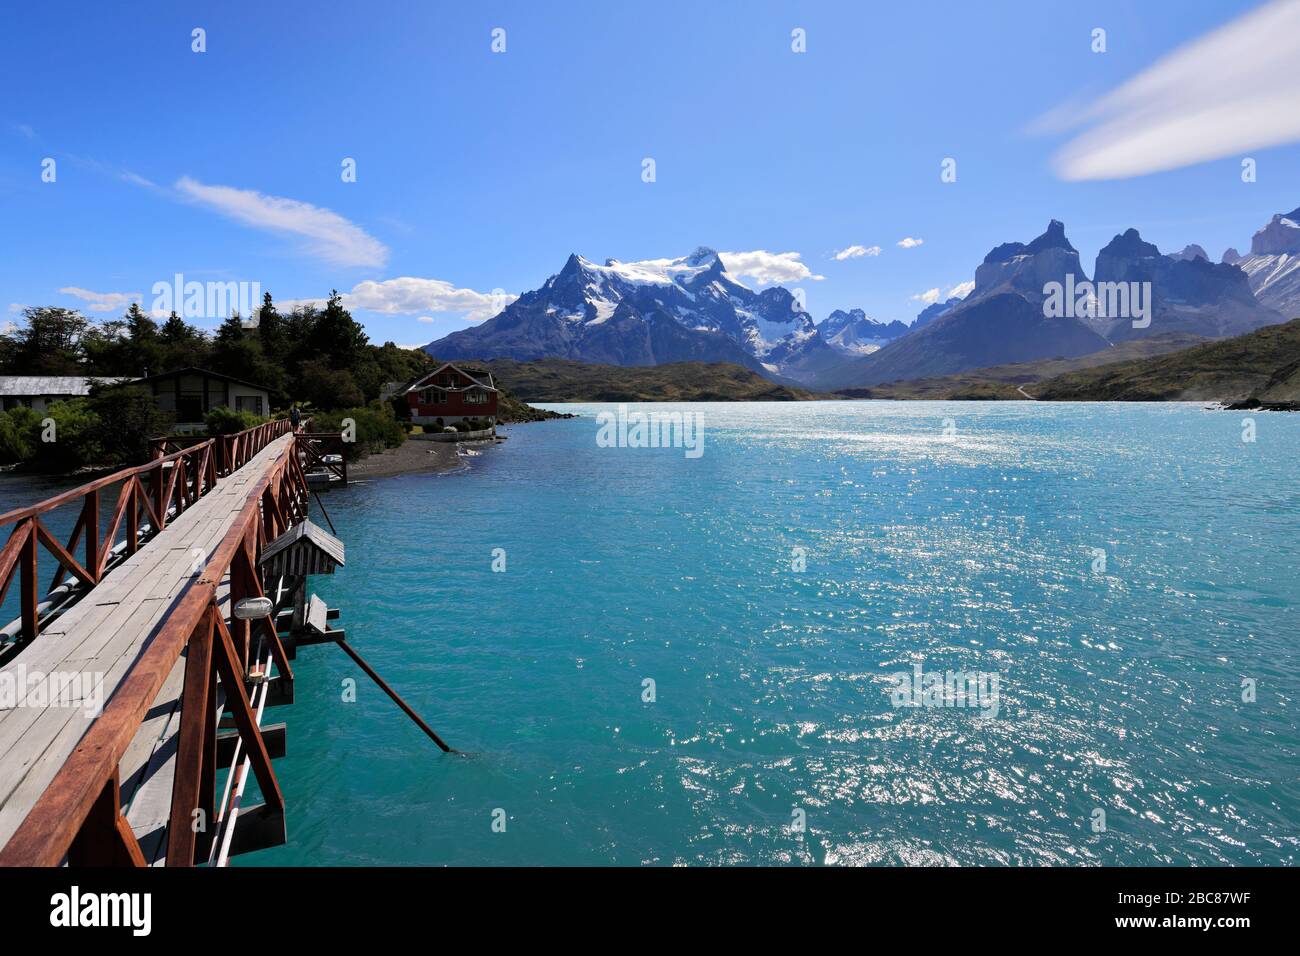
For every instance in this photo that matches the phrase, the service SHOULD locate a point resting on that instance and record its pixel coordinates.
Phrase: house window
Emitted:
(249, 403)
(476, 396)
(433, 396)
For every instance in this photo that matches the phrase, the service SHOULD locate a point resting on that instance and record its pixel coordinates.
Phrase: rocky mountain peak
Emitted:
(1280, 237)
(702, 256)
(1127, 245)
(1191, 251)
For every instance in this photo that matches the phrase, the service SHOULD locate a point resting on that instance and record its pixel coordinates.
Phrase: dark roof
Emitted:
(313, 534)
(479, 376)
(195, 370)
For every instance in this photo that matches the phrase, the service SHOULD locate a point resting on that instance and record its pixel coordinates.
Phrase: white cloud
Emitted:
(16, 307)
(408, 295)
(1232, 90)
(855, 252)
(929, 296)
(765, 267)
(102, 301)
(909, 243)
(411, 295)
(328, 235)
(961, 290)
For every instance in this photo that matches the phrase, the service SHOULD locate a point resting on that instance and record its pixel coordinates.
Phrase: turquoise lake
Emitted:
(1120, 689)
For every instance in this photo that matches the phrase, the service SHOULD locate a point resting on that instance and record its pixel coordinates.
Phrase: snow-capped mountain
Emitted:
(1273, 266)
(646, 313)
(855, 333)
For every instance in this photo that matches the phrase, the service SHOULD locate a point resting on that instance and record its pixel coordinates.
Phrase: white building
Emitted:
(190, 393)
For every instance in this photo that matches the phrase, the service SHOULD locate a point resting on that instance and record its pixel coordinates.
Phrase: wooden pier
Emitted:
(149, 607)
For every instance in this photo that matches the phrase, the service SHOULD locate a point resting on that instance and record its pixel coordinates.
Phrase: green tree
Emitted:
(237, 352)
(128, 418)
(326, 387)
(272, 331)
(48, 343)
(181, 344)
(336, 336)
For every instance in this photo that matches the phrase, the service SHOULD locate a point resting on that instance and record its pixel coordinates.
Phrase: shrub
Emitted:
(227, 421)
(75, 436)
(14, 446)
(377, 428)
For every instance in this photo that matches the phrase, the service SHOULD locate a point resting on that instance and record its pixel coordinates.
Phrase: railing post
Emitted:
(90, 526)
(105, 838)
(28, 583)
(194, 782)
(159, 506)
(132, 517)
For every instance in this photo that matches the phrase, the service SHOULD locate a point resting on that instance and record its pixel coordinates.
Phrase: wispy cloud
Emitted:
(909, 243)
(1233, 89)
(929, 296)
(855, 252)
(25, 131)
(766, 268)
(136, 180)
(328, 235)
(102, 301)
(961, 290)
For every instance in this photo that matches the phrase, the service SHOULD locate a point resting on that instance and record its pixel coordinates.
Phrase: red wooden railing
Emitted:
(153, 493)
(316, 445)
(79, 817)
(231, 452)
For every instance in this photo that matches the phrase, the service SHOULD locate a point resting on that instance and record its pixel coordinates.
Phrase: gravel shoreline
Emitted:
(412, 457)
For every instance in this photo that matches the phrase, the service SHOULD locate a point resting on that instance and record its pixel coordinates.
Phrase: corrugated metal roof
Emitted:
(36, 386)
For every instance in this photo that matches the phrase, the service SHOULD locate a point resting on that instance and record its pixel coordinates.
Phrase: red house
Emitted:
(450, 393)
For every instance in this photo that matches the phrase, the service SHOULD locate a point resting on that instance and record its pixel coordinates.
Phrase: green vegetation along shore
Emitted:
(1259, 368)
(562, 380)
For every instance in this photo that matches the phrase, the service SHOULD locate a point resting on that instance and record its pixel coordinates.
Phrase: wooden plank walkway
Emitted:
(105, 633)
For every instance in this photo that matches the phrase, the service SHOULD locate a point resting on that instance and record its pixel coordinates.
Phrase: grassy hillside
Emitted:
(1005, 381)
(1263, 366)
(562, 380)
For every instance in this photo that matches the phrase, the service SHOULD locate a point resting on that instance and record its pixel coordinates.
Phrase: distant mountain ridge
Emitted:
(855, 333)
(691, 309)
(1005, 319)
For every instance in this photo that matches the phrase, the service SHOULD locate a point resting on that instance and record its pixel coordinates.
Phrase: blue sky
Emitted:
(479, 171)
